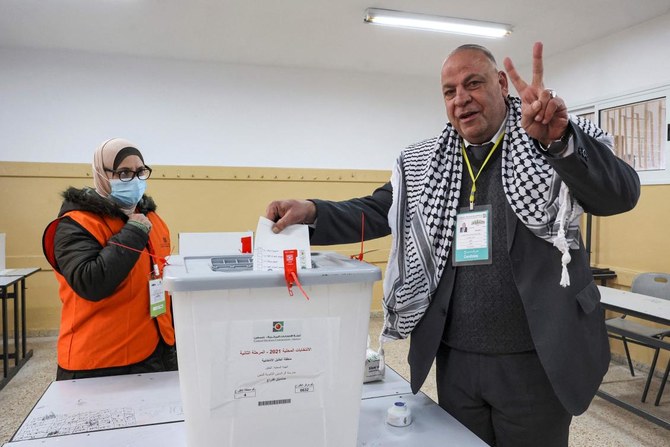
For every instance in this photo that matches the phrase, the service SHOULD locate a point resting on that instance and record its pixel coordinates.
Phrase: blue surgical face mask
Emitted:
(127, 194)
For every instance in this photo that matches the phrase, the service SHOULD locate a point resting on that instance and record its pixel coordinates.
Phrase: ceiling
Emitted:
(327, 34)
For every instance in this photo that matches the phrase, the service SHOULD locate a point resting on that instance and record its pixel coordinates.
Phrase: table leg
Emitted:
(626, 406)
(5, 343)
(16, 326)
(23, 318)
(21, 353)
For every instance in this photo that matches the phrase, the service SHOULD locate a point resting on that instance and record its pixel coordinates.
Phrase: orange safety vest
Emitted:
(117, 330)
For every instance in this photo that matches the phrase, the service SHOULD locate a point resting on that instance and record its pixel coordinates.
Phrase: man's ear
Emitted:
(502, 80)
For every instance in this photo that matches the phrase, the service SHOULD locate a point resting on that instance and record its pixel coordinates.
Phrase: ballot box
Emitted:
(259, 366)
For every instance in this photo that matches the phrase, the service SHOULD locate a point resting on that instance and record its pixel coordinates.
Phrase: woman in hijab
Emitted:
(108, 249)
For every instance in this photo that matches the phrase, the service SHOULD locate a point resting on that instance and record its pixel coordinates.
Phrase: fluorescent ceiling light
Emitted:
(436, 23)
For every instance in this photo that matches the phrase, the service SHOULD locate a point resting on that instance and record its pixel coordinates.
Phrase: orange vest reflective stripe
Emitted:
(117, 330)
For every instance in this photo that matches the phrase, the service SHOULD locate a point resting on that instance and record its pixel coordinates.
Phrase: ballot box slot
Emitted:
(232, 263)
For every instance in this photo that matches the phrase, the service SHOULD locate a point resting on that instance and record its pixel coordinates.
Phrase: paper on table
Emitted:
(269, 247)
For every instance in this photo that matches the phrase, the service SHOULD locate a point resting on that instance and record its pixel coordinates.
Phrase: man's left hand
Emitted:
(544, 115)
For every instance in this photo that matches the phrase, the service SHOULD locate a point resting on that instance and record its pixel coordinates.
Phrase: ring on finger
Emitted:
(552, 93)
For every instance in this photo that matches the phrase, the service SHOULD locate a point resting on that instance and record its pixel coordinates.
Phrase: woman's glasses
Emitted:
(126, 175)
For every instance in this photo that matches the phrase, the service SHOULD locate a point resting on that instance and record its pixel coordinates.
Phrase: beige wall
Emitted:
(190, 199)
(193, 199)
(635, 242)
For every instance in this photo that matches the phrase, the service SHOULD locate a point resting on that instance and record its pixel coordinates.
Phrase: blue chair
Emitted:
(656, 285)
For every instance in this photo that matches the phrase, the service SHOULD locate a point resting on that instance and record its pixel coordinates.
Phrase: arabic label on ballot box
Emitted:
(273, 363)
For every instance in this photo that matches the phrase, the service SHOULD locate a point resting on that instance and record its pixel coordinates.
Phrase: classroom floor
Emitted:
(603, 425)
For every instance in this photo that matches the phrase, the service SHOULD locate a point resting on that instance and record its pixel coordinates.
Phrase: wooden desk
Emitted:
(645, 307)
(145, 411)
(13, 287)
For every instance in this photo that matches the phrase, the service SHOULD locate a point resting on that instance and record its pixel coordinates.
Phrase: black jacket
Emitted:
(567, 324)
(94, 271)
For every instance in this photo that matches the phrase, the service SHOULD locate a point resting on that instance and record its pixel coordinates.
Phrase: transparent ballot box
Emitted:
(258, 366)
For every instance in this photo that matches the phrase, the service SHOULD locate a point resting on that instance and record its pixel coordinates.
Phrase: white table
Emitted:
(645, 307)
(157, 435)
(392, 385)
(26, 271)
(642, 306)
(145, 411)
(13, 287)
(106, 403)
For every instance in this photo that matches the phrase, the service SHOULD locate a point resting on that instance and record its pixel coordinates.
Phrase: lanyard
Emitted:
(153, 258)
(481, 168)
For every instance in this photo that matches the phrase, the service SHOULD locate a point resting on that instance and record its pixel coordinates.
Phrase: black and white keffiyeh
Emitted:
(426, 184)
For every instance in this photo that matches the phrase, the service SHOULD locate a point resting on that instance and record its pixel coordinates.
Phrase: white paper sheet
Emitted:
(269, 247)
(280, 364)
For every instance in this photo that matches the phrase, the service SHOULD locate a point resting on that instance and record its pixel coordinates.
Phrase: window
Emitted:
(639, 124)
(639, 131)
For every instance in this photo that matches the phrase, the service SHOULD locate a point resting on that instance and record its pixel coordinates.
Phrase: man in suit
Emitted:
(513, 321)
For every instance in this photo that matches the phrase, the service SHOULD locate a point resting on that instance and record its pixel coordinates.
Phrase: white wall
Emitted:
(58, 106)
(630, 61)
(626, 67)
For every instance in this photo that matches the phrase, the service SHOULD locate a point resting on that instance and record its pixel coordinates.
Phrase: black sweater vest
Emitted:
(486, 314)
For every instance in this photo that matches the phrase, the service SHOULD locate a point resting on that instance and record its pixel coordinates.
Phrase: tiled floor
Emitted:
(19, 396)
(603, 425)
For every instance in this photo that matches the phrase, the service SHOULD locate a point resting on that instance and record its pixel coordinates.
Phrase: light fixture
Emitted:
(436, 23)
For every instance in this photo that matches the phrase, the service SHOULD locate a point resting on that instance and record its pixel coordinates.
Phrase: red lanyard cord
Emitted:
(359, 256)
(291, 271)
(297, 282)
(155, 257)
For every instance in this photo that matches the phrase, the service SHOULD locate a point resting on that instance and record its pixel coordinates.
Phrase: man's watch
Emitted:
(558, 146)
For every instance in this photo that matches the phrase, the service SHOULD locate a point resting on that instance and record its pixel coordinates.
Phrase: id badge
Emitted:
(472, 236)
(157, 304)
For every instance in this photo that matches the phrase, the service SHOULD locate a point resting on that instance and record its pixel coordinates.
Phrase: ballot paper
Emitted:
(269, 247)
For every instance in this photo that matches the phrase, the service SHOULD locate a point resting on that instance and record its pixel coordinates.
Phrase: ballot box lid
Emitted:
(198, 273)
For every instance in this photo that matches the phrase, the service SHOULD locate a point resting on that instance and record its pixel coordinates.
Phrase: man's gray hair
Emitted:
(473, 46)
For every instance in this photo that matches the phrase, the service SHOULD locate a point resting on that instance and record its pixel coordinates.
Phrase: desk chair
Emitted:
(656, 285)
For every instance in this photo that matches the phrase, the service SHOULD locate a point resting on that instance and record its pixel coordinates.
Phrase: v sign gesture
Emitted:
(544, 115)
